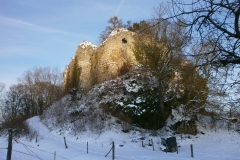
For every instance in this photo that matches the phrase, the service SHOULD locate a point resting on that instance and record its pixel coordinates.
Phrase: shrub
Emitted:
(20, 127)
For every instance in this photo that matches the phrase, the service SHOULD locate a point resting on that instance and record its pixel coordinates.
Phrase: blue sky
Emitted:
(41, 33)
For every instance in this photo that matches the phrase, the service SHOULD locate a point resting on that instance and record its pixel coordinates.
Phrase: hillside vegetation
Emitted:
(131, 99)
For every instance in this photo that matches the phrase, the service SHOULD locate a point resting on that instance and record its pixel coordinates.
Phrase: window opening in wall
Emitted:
(124, 41)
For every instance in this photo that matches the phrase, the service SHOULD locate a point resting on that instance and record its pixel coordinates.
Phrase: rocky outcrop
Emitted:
(112, 58)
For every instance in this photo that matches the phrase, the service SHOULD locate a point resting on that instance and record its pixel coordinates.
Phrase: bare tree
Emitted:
(157, 48)
(2, 90)
(213, 26)
(114, 23)
(14, 102)
(215, 23)
(2, 87)
(37, 89)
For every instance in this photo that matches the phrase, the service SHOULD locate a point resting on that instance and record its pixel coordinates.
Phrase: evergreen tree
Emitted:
(145, 112)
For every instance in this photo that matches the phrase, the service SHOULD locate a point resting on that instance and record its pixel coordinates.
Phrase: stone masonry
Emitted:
(106, 61)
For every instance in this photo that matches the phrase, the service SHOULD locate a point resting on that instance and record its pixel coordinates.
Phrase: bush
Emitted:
(13, 122)
(20, 127)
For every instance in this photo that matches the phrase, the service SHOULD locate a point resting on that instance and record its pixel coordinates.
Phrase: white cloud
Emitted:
(4, 20)
(119, 8)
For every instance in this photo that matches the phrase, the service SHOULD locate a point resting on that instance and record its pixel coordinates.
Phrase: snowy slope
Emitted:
(220, 146)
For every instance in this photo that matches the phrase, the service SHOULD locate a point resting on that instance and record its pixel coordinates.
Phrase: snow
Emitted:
(139, 100)
(119, 103)
(115, 32)
(220, 145)
(131, 85)
(99, 130)
(86, 44)
(118, 30)
(179, 115)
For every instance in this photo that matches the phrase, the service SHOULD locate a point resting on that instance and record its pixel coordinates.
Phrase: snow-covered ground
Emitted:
(222, 145)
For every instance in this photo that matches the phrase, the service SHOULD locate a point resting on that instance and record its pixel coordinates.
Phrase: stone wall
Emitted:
(111, 59)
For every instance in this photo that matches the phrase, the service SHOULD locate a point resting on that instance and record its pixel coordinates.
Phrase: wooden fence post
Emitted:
(9, 152)
(113, 151)
(55, 155)
(87, 147)
(65, 142)
(36, 138)
(166, 148)
(191, 150)
(177, 147)
(152, 144)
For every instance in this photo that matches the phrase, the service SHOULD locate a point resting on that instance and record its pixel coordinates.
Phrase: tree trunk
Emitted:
(160, 97)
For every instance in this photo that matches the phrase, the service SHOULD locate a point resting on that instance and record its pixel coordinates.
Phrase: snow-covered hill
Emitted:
(221, 145)
(93, 119)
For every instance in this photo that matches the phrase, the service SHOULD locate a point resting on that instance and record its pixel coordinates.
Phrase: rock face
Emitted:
(112, 58)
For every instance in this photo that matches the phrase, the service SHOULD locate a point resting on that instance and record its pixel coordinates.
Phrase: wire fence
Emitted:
(26, 146)
(27, 154)
(35, 152)
(31, 151)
